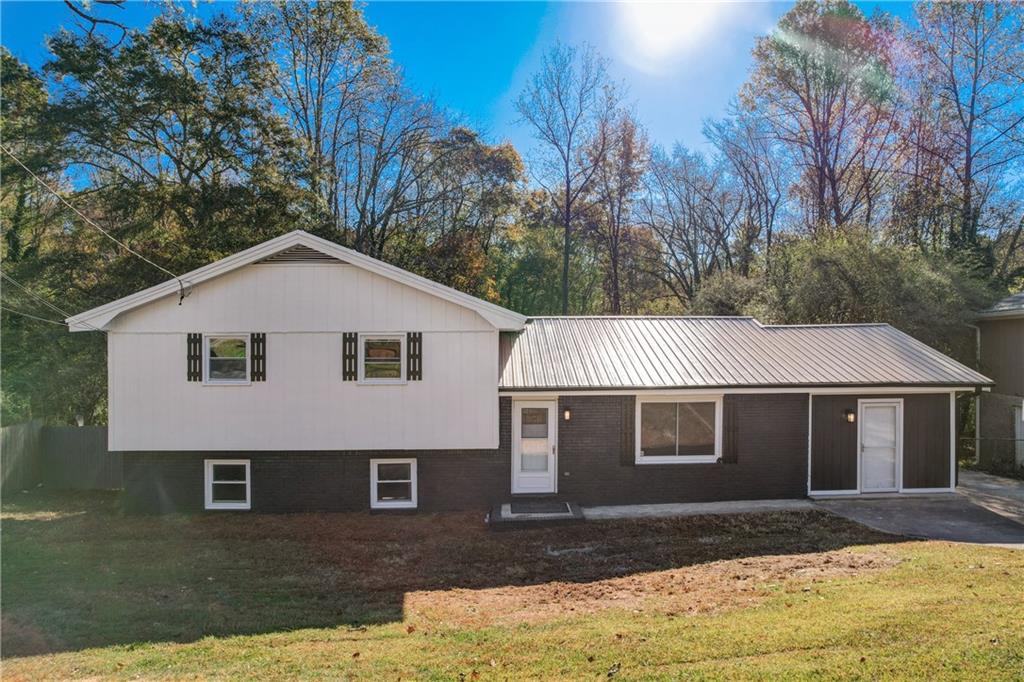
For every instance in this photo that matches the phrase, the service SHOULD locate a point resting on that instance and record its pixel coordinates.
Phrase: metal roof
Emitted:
(705, 352)
(1011, 306)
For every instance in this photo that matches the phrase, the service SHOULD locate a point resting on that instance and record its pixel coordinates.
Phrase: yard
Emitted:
(88, 592)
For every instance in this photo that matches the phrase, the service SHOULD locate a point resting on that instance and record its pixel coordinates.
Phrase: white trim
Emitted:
(517, 428)
(207, 381)
(373, 336)
(841, 390)
(677, 459)
(898, 482)
(101, 316)
(413, 484)
(810, 439)
(952, 440)
(208, 484)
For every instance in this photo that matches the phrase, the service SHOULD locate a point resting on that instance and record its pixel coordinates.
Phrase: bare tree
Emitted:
(569, 104)
(616, 184)
(824, 82)
(755, 160)
(974, 62)
(694, 214)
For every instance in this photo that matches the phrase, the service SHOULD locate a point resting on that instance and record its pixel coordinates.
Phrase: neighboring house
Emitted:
(300, 375)
(1000, 422)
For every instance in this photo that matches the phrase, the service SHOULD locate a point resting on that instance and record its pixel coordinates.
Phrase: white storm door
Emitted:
(534, 446)
(880, 445)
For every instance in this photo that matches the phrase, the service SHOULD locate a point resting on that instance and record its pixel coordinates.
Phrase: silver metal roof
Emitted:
(1011, 306)
(699, 352)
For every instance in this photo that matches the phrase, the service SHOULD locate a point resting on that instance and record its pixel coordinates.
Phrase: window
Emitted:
(382, 358)
(227, 484)
(393, 483)
(227, 359)
(673, 430)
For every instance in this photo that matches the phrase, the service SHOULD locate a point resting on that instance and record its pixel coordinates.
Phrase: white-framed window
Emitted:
(382, 358)
(226, 358)
(678, 429)
(393, 483)
(227, 484)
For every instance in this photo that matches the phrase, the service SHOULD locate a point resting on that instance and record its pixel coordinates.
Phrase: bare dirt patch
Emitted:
(703, 588)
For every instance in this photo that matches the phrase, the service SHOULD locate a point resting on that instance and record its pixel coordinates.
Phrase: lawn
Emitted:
(88, 592)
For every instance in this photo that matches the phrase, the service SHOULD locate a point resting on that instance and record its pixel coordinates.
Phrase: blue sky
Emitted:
(681, 63)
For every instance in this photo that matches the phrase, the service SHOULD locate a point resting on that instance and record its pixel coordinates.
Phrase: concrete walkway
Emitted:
(640, 511)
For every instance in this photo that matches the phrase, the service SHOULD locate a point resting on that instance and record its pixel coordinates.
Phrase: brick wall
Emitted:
(770, 441)
(595, 466)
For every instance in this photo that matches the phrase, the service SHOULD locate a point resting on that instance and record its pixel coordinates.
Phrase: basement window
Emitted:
(674, 430)
(227, 484)
(392, 483)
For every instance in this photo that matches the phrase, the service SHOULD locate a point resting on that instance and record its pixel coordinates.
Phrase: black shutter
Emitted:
(414, 353)
(729, 450)
(194, 357)
(349, 357)
(627, 451)
(258, 356)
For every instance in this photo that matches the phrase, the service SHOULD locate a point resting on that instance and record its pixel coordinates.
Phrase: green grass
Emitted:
(88, 592)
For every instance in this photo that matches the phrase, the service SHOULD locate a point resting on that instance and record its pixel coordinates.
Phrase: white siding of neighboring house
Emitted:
(303, 405)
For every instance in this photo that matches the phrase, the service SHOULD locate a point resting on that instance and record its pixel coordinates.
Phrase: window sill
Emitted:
(228, 506)
(227, 383)
(393, 505)
(382, 382)
(702, 459)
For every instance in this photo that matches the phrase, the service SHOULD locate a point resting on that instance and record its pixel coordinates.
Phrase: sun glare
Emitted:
(654, 34)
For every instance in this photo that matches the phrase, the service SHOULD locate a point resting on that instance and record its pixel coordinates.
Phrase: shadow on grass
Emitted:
(77, 573)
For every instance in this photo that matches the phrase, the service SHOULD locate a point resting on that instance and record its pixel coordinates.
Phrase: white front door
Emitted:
(880, 445)
(534, 446)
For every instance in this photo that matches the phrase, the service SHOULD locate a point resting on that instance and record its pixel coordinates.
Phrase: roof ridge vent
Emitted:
(299, 254)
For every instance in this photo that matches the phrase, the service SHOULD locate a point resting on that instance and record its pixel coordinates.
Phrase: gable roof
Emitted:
(1011, 306)
(290, 246)
(713, 352)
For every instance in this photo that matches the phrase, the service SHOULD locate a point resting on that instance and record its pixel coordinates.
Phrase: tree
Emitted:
(694, 213)
(975, 64)
(617, 181)
(824, 82)
(569, 104)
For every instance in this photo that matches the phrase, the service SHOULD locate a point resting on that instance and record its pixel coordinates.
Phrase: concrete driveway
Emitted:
(985, 509)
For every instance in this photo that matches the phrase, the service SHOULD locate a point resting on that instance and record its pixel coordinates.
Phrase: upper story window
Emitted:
(382, 358)
(227, 359)
(676, 430)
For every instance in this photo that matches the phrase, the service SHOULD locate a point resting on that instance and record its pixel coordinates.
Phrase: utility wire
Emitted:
(33, 317)
(42, 300)
(89, 221)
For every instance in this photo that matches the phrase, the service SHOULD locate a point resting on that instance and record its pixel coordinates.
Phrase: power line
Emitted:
(89, 221)
(42, 300)
(33, 317)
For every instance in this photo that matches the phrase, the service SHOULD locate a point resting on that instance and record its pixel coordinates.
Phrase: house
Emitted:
(1000, 412)
(301, 375)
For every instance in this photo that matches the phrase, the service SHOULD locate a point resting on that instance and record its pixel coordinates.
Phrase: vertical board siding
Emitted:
(926, 446)
(926, 460)
(305, 404)
(833, 443)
